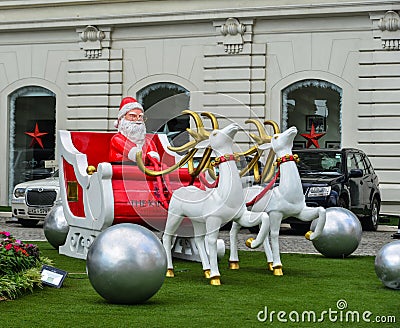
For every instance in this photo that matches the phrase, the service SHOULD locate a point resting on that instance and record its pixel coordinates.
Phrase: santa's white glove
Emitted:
(154, 154)
(132, 153)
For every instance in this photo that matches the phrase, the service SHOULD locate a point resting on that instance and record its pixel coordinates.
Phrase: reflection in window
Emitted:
(316, 162)
(315, 103)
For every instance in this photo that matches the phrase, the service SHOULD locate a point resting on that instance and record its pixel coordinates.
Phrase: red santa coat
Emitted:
(122, 149)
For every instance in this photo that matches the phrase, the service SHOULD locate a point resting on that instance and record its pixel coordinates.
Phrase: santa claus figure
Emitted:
(131, 136)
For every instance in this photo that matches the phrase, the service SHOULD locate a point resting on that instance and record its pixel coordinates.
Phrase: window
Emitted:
(163, 103)
(329, 162)
(360, 162)
(368, 166)
(351, 162)
(313, 104)
(31, 134)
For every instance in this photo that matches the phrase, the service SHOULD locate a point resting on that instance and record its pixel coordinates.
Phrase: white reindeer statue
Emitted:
(211, 208)
(285, 200)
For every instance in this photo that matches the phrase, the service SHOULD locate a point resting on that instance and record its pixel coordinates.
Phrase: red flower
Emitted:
(24, 252)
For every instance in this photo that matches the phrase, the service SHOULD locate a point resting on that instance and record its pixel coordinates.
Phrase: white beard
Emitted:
(134, 131)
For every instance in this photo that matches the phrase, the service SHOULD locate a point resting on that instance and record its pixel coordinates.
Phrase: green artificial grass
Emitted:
(389, 220)
(310, 283)
(5, 208)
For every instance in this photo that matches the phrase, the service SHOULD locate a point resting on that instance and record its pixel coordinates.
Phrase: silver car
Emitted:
(32, 200)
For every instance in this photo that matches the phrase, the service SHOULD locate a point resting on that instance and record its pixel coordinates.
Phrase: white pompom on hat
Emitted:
(127, 104)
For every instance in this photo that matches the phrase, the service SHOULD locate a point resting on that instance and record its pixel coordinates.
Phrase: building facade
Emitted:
(333, 67)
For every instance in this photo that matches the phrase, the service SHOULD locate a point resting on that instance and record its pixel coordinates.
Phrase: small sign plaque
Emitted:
(52, 276)
(50, 164)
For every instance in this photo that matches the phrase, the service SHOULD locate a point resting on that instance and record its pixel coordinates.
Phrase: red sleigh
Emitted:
(97, 194)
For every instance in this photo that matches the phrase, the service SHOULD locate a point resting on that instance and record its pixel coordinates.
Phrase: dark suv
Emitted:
(340, 177)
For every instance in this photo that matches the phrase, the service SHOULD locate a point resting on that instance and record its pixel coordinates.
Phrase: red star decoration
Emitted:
(312, 137)
(36, 136)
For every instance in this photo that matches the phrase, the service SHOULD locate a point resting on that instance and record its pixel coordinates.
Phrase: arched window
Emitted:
(31, 134)
(163, 103)
(313, 102)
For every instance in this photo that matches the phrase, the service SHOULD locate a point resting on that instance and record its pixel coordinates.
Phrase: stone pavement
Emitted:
(290, 242)
(371, 242)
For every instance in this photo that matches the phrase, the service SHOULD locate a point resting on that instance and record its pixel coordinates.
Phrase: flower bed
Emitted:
(20, 266)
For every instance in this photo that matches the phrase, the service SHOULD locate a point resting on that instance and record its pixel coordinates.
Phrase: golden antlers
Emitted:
(260, 139)
(198, 136)
(202, 134)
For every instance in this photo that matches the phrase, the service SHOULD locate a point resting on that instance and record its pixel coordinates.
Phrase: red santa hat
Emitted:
(127, 104)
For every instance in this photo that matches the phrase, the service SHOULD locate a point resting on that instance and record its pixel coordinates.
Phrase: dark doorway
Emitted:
(32, 134)
(163, 103)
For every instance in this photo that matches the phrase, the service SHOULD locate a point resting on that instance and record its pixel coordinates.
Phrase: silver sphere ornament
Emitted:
(387, 264)
(56, 227)
(126, 264)
(341, 234)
